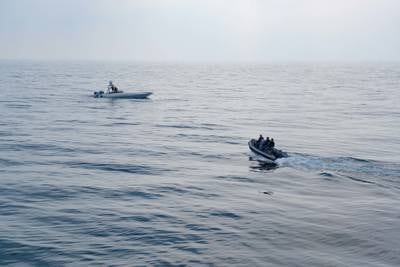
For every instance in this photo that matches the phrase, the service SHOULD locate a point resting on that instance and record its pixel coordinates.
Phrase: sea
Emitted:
(170, 180)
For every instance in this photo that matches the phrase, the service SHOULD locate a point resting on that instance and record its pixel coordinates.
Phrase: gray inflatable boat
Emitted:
(270, 155)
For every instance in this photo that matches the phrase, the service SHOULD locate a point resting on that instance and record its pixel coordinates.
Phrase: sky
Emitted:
(200, 30)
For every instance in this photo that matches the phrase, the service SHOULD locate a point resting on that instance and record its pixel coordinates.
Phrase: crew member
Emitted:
(272, 143)
(260, 139)
(112, 87)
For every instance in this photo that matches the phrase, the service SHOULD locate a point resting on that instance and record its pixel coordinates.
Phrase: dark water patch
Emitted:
(344, 239)
(162, 263)
(11, 135)
(226, 214)
(19, 106)
(178, 190)
(97, 232)
(216, 156)
(191, 249)
(9, 162)
(15, 253)
(114, 167)
(120, 124)
(164, 216)
(113, 118)
(36, 147)
(172, 189)
(147, 152)
(130, 194)
(326, 174)
(8, 101)
(355, 159)
(17, 76)
(45, 193)
(46, 149)
(72, 121)
(24, 195)
(235, 178)
(127, 193)
(184, 126)
(11, 209)
(203, 155)
(192, 187)
(214, 126)
(137, 218)
(155, 237)
(71, 211)
(6, 133)
(95, 107)
(10, 122)
(209, 138)
(201, 228)
(59, 220)
(59, 129)
(270, 193)
(358, 179)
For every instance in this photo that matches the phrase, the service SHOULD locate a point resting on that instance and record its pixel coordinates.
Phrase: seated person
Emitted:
(112, 88)
(266, 144)
(260, 139)
(272, 143)
(262, 144)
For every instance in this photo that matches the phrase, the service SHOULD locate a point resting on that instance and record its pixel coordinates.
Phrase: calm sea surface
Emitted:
(170, 181)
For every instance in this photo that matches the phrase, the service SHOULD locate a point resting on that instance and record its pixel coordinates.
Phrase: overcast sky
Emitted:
(201, 30)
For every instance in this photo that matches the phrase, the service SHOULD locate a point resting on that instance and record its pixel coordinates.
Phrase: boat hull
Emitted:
(268, 157)
(141, 95)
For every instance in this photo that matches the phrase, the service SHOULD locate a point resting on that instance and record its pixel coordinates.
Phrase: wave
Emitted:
(209, 138)
(48, 192)
(8, 162)
(43, 148)
(120, 124)
(127, 168)
(19, 106)
(184, 126)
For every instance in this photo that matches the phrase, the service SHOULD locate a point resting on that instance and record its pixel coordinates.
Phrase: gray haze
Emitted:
(203, 30)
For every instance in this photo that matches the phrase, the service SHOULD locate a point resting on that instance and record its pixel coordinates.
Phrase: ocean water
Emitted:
(170, 181)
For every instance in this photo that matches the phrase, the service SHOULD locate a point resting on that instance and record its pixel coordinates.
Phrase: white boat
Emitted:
(121, 94)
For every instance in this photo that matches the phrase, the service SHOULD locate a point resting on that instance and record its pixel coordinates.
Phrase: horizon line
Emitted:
(167, 62)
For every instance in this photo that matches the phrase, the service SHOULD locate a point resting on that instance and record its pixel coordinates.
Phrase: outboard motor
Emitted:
(98, 94)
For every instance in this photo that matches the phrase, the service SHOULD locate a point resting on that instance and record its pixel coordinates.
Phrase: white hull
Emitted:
(141, 95)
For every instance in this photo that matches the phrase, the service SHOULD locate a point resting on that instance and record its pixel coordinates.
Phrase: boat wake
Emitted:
(368, 171)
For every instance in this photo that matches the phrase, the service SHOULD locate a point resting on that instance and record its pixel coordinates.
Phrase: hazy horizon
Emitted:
(177, 31)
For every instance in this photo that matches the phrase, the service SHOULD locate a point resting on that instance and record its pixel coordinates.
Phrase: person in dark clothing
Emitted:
(265, 144)
(112, 88)
(272, 143)
(260, 139)
(261, 144)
